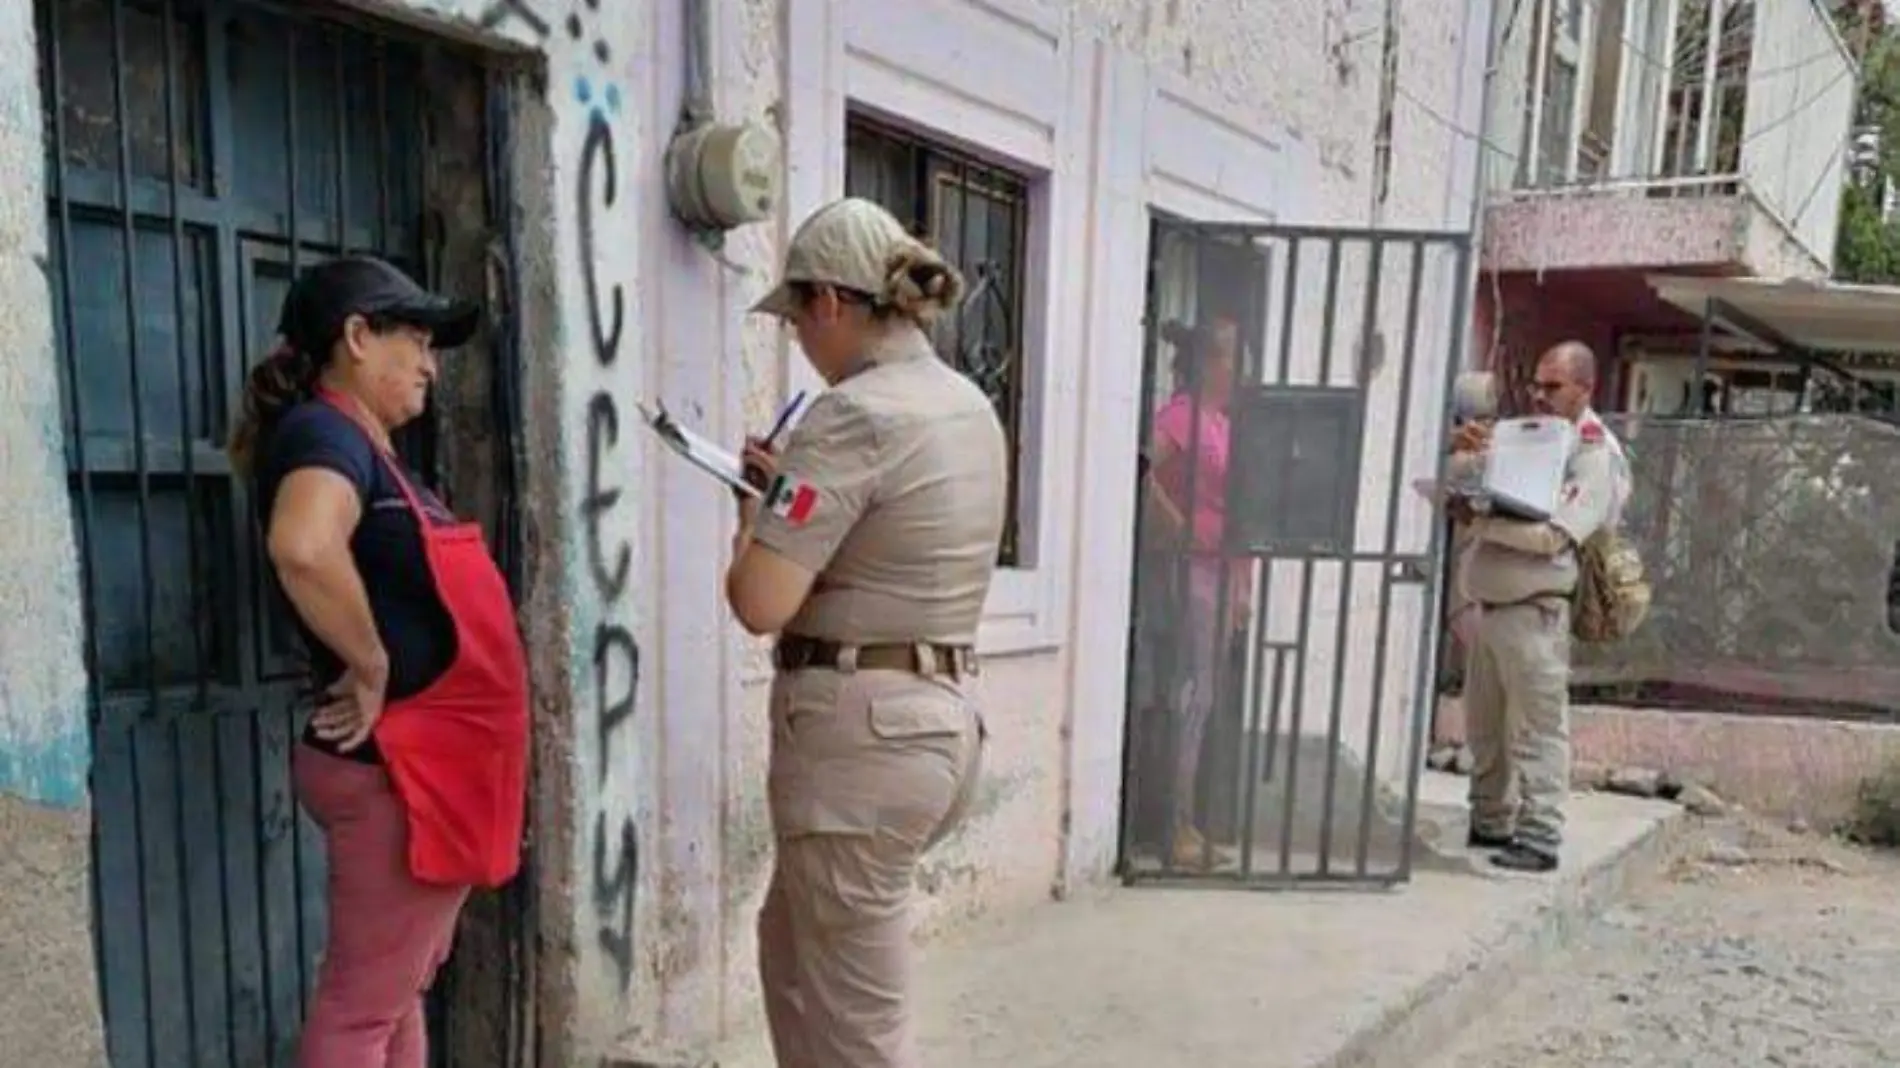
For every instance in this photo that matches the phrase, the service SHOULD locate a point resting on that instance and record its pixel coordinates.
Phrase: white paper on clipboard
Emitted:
(701, 453)
(1524, 471)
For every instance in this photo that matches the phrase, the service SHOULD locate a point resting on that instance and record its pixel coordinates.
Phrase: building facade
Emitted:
(171, 165)
(1633, 141)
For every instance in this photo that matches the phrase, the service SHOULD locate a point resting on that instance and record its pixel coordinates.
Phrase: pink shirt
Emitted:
(1174, 424)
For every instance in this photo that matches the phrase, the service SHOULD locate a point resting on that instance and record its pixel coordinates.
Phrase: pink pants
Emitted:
(388, 932)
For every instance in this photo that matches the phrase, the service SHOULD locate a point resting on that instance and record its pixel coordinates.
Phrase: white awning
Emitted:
(1818, 316)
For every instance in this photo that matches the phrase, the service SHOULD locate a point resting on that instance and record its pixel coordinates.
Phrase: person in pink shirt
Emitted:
(1188, 495)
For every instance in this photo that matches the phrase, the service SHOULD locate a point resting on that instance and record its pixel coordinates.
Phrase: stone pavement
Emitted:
(1756, 947)
(1141, 978)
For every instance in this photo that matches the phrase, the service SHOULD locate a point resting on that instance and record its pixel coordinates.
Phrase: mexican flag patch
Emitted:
(791, 499)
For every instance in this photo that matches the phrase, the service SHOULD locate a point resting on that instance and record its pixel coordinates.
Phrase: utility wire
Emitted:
(1459, 130)
(1687, 45)
(1436, 116)
(1820, 179)
(1774, 124)
(1686, 50)
(1795, 112)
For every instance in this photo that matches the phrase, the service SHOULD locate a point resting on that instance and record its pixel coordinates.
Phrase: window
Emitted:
(977, 214)
(1558, 99)
(1553, 151)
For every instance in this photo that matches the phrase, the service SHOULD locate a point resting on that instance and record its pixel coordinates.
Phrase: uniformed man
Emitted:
(870, 555)
(1520, 576)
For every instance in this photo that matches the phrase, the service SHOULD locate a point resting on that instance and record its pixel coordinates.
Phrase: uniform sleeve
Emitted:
(1590, 494)
(827, 478)
(315, 435)
(1536, 539)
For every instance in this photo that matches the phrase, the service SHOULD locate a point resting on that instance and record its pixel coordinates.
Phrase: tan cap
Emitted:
(847, 243)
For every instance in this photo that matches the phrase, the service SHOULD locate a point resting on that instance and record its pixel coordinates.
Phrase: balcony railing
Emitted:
(1671, 98)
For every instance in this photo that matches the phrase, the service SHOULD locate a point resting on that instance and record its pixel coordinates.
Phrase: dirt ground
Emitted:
(1759, 947)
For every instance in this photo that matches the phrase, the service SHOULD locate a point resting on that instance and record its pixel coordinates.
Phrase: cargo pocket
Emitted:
(903, 717)
(799, 698)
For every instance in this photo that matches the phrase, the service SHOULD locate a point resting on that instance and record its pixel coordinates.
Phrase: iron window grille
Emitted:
(976, 213)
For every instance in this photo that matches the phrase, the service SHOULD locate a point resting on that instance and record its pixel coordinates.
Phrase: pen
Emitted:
(753, 475)
(785, 416)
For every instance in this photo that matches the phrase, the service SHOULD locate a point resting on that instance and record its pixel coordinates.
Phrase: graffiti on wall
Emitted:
(616, 850)
(499, 13)
(611, 861)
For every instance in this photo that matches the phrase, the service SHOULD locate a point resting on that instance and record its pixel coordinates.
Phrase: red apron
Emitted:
(457, 752)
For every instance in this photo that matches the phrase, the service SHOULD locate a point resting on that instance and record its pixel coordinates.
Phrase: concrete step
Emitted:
(1602, 860)
(1313, 797)
(1216, 978)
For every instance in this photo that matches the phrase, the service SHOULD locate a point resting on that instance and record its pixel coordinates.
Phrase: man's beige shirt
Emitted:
(1596, 486)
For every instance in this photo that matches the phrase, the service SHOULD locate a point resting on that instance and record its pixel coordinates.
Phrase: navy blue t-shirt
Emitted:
(387, 547)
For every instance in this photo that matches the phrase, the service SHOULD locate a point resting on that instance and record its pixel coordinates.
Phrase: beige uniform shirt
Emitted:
(893, 489)
(1596, 486)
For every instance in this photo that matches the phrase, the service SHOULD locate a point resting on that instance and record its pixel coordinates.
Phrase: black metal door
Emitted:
(1284, 617)
(200, 151)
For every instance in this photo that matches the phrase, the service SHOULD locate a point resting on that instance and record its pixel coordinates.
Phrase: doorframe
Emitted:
(226, 344)
(1449, 326)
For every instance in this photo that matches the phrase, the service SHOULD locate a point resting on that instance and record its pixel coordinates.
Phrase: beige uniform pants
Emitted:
(1517, 721)
(869, 770)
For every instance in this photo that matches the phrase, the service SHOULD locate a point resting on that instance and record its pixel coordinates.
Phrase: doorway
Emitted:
(200, 153)
(1296, 382)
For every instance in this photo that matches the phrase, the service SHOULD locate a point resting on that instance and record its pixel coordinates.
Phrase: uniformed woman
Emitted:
(869, 555)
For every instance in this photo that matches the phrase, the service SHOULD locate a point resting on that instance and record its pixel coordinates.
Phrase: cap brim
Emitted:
(451, 323)
(777, 303)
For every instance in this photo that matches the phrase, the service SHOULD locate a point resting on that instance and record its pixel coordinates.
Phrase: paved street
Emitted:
(1758, 948)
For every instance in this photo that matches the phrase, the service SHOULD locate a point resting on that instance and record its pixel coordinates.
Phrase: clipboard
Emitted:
(1524, 472)
(716, 461)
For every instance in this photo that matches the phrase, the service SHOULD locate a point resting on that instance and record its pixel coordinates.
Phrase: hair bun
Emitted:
(920, 285)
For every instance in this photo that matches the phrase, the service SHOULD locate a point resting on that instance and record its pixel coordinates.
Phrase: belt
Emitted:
(795, 653)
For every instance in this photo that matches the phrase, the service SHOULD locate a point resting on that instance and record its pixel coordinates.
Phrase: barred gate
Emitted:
(199, 153)
(1284, 621)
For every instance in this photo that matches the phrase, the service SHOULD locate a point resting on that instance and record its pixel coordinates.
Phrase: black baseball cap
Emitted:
(327, 294)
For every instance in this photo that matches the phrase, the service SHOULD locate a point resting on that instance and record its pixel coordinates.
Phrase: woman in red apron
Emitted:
(415, 762)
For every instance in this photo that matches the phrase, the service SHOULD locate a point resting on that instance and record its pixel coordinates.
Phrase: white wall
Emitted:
(1219, 111)
(619, 308)
(1800, 114)
(651, 826)
(43, 742)
(44, 745)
